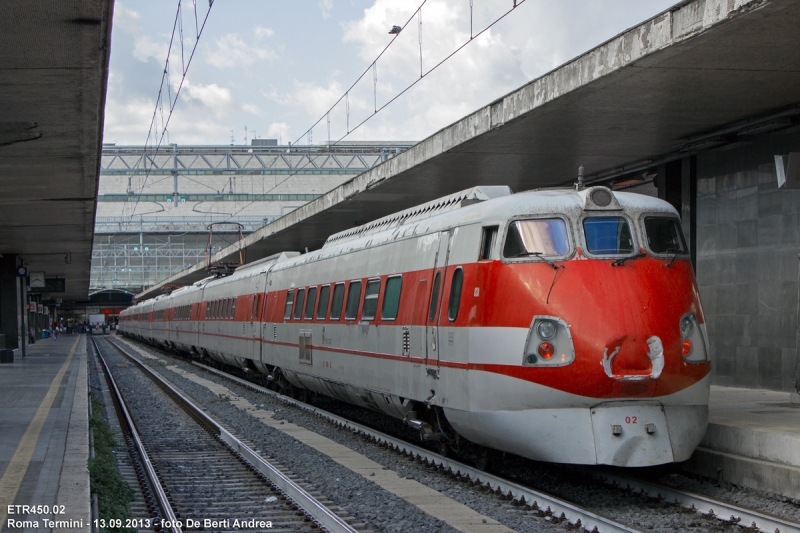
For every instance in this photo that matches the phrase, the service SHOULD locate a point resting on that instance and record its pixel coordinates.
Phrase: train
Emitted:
(561, 325)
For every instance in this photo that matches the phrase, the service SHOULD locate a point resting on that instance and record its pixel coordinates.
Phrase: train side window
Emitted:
(324, 296)
(487, 242)
(213, 309)
(310, 302)
(353, 298)
(287, 311)
(434, 296)
(233, 306)
(254, 307)
(455, 294)
(298, 304)
(226, 308)
(371, 299)
(338, 301)
(391, 298)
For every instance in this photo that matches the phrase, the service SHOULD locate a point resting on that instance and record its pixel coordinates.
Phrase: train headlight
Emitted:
(546, 329)
(694, 346)
(549, 343)
(687, 326)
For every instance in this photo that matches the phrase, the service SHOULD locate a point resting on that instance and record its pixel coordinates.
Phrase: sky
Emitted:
(277, 68)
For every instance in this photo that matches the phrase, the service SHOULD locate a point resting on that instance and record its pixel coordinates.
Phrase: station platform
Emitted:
(753, 440)
(44, 446)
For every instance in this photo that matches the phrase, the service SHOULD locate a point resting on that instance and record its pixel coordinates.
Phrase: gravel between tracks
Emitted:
(385, 512)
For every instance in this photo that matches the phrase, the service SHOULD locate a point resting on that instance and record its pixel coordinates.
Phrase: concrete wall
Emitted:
(748, 240)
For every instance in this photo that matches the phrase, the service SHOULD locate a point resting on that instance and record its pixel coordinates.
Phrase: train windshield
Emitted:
(546, 236)
(608, 235)
(664, 235)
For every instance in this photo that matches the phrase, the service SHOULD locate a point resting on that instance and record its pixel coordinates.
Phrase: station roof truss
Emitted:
(245, 160)
(705, 74)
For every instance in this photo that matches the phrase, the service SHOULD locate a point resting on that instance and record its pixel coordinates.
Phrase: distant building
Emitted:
(153, 209)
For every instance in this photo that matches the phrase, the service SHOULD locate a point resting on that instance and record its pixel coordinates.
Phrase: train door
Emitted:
(254, 330)
(434, 304)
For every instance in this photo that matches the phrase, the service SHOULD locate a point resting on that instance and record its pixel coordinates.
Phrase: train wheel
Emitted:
(483, 459)
(443, 447)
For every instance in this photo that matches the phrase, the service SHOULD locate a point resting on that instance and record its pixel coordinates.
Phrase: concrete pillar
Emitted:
(8, 301)
(677, 184)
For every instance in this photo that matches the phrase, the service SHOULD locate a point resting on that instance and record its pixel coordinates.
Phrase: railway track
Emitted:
(729, 516)
(197, 475)
(711, 507)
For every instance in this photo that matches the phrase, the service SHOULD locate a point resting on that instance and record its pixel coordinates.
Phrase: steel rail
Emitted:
(150, 471)
(575, 514)
(310, 505)
(704, 504)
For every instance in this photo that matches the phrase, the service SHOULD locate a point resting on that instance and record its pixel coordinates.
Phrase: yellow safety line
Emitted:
(15, 472)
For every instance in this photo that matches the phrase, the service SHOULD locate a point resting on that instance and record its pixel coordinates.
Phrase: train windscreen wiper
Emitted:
(539, 256)
(620, 262)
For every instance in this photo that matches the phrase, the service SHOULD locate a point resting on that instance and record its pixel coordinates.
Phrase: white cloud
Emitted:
(145, 49)
(252, 109)
(262, 32)
(126, 19)
(232, 52)
(211, 96)
(281, 131)
(326, 6)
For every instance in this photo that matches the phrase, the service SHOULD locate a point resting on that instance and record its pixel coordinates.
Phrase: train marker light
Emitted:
(546, 350)
(686, 347)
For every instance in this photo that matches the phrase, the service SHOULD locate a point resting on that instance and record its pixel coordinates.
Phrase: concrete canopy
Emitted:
(53, 77)
(657, 92)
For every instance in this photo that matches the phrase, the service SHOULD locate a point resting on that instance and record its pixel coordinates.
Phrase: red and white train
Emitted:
(560, 325)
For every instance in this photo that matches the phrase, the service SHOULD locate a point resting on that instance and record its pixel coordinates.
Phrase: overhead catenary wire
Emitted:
(155, 131)
(372, 65)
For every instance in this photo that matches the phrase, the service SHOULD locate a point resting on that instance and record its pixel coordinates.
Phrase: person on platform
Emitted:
(55, 333)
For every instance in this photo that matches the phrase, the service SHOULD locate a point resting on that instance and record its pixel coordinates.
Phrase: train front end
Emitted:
(605, 357)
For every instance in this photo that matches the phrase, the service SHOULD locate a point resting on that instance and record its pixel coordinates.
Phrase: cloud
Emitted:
(232, 52)
(279, 130)
(262, 32)
(252, 109)
(211, 96)
(126, 19)
(145, 49)
(326, 6)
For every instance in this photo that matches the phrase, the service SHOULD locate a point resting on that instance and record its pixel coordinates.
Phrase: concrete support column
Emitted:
(677, 184)
(22, 317)
(8, 301)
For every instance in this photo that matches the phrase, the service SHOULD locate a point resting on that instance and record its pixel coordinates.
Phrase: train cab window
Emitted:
(322, 306)
(547, 236)
(371, 299)
(298, 304)
(310, 302)
(287, 311)
(488, 239)
(455, 294)
(353, 299)
(391, 298)
(608, 235)
(338, 301)
(434, 296)
(664, 235)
